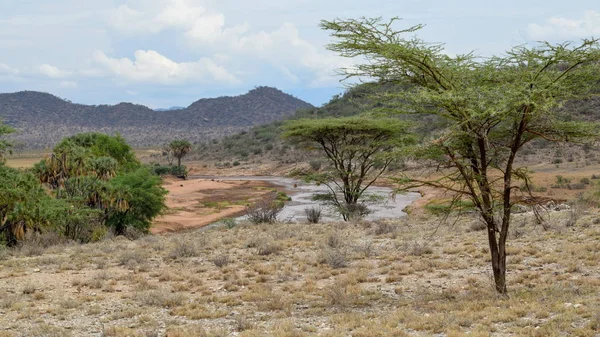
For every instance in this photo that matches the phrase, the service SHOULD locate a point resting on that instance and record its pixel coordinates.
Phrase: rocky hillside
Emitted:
(43, 119)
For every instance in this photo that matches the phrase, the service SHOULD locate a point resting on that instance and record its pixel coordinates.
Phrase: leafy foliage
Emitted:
(180, 148)
(22, 202)
(93, 181)
(359, 150)
(144, 196)
(493, 106)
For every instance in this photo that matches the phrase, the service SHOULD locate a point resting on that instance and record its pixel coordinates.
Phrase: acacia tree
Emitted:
(494, 106)
(180, 149)
(359, 149)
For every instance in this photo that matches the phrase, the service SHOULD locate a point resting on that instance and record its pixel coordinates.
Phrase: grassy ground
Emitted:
(397, 278)
(25, 160)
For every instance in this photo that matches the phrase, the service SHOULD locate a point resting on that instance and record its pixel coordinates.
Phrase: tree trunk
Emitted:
(499, 268)
(179, 162)
(498, 257)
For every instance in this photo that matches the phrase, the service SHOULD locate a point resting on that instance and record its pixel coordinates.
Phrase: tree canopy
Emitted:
(494, 106)
(105, 185)
(180, 149)
(101, 145)
(359, 150)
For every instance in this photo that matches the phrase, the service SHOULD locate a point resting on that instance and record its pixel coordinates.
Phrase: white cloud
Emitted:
(289, 75)
(150, 66)
(186, 15)
(206, 30)
(6, 70)
(284, 47)
(68, 84)
(92, 72)
(558, 28)
(52, 71)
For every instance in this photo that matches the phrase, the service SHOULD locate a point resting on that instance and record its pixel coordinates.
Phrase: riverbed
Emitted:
(387, 206)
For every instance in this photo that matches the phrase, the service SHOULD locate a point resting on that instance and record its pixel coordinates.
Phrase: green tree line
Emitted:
(90, 184)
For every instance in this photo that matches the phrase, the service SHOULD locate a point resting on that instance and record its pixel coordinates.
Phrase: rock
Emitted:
(562, 207)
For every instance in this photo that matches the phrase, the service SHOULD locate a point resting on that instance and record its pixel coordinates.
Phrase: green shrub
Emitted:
(315, 164)
(161, 170)
(230, 223)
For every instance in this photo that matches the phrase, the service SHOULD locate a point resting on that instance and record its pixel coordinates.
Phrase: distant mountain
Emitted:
(43, 119)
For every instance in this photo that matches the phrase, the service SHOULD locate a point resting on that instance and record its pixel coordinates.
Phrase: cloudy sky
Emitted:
(163, 53)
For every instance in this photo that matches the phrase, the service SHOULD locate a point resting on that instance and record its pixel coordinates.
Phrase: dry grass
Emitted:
(399, 278)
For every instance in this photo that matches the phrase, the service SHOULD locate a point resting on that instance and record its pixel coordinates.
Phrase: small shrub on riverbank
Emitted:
(264, 211)
(313, 215)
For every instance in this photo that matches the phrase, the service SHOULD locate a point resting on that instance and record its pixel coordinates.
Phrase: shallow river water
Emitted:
(301, 194)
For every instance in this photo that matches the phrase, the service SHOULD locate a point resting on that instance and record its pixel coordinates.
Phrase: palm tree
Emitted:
(180, 149)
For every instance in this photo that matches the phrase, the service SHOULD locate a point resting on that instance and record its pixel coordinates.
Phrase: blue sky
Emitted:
(162, 53)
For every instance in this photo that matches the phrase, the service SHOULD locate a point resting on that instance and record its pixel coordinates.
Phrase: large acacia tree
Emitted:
(494, 106)
(359, 150)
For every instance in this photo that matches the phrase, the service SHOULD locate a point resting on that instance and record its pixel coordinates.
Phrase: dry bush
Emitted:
(264, 211)
(334, 240)
(384, 228)
(7, 300)
(418, 248)
(132, 257)
(313, 215)
(69, 303)
(46, 330)
(242, 324)
(133, 233)
(182, 249)
(337, 294)
(155, 243)
(335, 258)
(365, 248)
(35, 244)
(46, 239)
(160, 298)
(221, 260)
(477, 225)
(28, 289)
(267, 247)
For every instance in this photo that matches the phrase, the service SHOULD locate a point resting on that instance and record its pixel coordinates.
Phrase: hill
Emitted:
(43, 119)
(262, 142)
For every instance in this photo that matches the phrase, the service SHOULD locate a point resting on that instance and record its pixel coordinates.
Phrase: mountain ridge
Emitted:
(43, 119)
